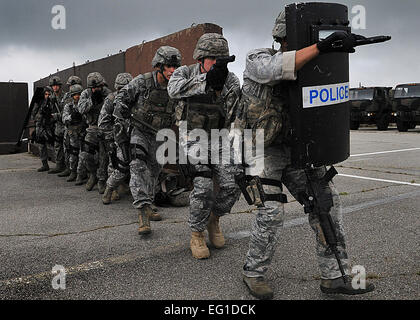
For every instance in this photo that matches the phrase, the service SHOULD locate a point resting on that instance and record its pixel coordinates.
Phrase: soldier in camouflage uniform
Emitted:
(208, 95)
(120, 167)
(44, 127)
(57, 105)
(67, 98)
(75, 127)
(90, 105)
(143, 101)
(263, 93)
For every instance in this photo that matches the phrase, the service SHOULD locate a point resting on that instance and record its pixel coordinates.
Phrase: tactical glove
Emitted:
(339, 41)
(97, 97)
(216, 77)
(76, 117)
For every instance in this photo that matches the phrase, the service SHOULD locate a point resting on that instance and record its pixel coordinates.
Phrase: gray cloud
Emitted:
(96, 28)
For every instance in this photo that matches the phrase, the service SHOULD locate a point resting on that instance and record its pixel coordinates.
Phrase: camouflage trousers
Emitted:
(93, 155)
(214, 188)
(67, 150)
(215, 193)
(267, 226)
(43, 151)
(75, 137)
(59, 143)
(116, 176)
(144, 168)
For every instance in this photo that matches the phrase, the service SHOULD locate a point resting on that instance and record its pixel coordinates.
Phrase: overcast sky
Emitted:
(31, 49)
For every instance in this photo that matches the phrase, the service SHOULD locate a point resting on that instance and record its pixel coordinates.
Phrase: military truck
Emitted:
(370, 105)
(406, 106)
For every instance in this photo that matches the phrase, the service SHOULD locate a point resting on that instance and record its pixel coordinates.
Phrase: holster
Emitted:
(253, 191)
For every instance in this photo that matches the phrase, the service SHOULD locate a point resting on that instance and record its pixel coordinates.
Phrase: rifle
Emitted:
(325, 220)
(362, 41)
(36, 99)
(372, 40)
(223, 61)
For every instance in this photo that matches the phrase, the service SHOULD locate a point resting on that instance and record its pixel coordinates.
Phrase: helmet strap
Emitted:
(202, 64)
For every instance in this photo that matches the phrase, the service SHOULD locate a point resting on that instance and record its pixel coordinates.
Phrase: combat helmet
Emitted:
(166, 55)
(54, 81)
(48, 89)
(279, 30)
(95, 79)
(75, 89)
(211, 45)
(122, 79)
(72, 80)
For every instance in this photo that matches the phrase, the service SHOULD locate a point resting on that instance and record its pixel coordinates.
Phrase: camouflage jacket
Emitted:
(106, 118)
(189, 81)
(57, 103)
(133, 97)
(264, 99)
(68, 120)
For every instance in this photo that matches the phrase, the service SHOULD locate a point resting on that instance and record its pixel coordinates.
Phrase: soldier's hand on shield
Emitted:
(339, 41)
(216, 77)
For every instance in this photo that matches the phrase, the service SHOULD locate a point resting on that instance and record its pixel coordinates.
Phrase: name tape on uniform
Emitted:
(326, 95)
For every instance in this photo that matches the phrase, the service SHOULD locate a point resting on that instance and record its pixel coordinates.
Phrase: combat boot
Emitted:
(101, 186)
(215, 234)
(72, 177)
(144, 222)
(258, 287)
(198, 245)
(81, 179)
(334, 286)
(91, 182)
(59, 167)
(153, 215)
(65, 173)
(115, 195)
(107, 197)
(44, 167)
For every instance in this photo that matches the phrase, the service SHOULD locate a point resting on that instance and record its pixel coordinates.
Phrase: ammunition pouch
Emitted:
(157, 109)
(204, 112)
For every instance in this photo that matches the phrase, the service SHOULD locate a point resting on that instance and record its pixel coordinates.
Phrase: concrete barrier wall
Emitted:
(109, 67)
(138, 59)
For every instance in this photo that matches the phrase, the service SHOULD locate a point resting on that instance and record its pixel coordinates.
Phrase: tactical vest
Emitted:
(203, 111)
(157, 109)
(93, 115)
(268, 110)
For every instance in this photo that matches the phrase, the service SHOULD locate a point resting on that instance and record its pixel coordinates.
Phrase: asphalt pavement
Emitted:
(47, 222)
